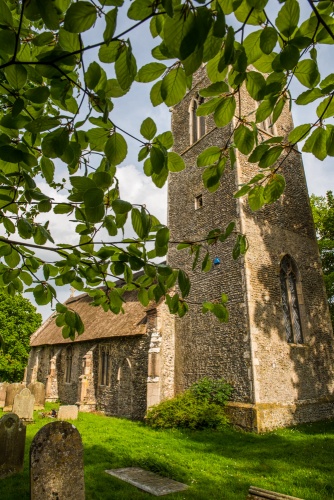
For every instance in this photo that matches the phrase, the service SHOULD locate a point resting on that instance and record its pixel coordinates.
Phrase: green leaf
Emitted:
(212, 175)
(214, 89)
(148, 129)
(16, 75)
(6, 17)
(175, 162)
(184, 283)
(268, 39)
(80, 17)
(265, 109)
(256, 198)
(274, 188)
(225, 111)
(42, 124)
(13, 259)
(10, 154)
(317, 143)
(208, 107)
(299, 133)
(7, 41)
(252, 46)
(326, 108)
(150, 72)
(244, 139)
(55, 143)
(42, 294)
(289, 57)
(93, 197)
(126, 68)
(330, 140)
(173, 86)
(38, 95)
(288, 17)
(209, 156)
(95, 214)
(155, 94)
(68, 41)
(256, 85)
(162, 237)
(109, 53)
(93, 75)
(309, 96)
(116, 149)
(307, 73)
(121, 207)
(49, 13)
(270, 156)
(111, 19)
(63, 208)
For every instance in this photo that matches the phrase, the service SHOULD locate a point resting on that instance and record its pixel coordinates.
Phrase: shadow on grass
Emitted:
(216, 465)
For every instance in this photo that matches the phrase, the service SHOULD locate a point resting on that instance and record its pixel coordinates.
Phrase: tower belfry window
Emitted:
(196, 123)
(291, 312)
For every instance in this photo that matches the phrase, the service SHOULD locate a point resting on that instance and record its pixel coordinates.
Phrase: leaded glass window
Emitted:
(291, 312)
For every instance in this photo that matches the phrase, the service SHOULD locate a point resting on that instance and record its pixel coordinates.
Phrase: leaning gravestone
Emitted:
(24, 405)
(12, 440)
(68, 412)
(56, 463)
(3, 390)
(11, 391)
(38, 390)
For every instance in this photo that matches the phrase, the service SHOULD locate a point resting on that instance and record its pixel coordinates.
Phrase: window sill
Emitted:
(298, 345)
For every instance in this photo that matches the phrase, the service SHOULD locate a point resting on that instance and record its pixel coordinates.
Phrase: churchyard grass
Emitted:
(215, 464)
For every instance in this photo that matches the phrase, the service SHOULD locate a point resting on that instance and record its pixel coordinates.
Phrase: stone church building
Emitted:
(277, 349)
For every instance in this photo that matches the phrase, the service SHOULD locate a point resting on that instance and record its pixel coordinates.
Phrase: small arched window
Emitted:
(105, 365)
(68, 368)
(196, 123)
(291, 312)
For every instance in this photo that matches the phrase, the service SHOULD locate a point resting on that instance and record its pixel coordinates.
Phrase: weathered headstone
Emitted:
(11, 391)
(3, 390)
(68, 412)
(56, 463)
(255, 493)
(12, 440)
(38, 390)
(24, 405)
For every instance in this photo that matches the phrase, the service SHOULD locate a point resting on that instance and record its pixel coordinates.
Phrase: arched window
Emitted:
(104, 365)
(291, 312)
(196, 123)
(68, 368)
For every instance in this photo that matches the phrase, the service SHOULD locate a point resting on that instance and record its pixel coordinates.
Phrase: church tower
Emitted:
(277, 349)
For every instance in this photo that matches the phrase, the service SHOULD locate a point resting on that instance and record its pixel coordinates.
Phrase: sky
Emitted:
(132, 109)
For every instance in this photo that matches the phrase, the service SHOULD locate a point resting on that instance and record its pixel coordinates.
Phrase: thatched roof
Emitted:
(98, 324)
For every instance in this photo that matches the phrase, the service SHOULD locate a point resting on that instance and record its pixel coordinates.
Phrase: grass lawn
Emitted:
(216, 465)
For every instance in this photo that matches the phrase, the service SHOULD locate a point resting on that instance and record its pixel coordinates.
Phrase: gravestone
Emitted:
(38, 390)
(24, 405)
(11, 391)
(12, 440)
(255, 493)
(148, 481)
(56, 463)
(68, 412)
(3, 390)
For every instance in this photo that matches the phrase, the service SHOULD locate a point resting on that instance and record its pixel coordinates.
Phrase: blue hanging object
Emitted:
(216, 261)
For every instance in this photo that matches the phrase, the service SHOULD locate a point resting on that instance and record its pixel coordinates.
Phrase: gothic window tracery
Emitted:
(196, 123)
(291, 311)
(68, 369)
